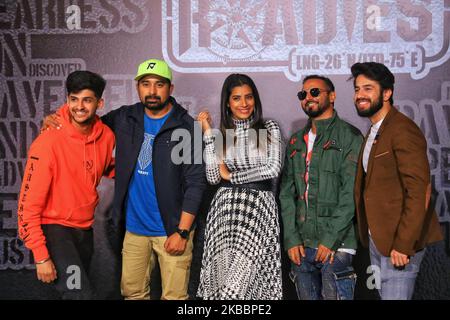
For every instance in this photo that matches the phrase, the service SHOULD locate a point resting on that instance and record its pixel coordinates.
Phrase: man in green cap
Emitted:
(156, 198)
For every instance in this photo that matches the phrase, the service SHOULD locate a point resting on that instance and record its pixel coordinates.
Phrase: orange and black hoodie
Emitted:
(59, 184)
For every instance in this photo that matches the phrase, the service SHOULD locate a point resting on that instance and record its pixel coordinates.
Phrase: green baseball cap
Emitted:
(154, 66)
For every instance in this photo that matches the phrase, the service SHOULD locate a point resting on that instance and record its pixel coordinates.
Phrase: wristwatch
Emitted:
(183, 233)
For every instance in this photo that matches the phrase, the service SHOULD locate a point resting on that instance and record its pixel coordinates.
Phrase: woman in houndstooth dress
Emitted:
(242, 258)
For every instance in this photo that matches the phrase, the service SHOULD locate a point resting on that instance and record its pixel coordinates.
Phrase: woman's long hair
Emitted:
(226, 120)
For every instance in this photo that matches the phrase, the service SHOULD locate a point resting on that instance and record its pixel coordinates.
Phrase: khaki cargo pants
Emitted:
(138, 261)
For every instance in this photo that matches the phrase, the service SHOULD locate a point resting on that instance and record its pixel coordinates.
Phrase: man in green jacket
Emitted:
(317, 204)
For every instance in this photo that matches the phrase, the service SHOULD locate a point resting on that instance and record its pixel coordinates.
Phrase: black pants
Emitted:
(71, 251)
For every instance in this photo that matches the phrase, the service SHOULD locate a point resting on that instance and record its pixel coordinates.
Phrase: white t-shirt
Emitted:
(368, 147)
(311, 139)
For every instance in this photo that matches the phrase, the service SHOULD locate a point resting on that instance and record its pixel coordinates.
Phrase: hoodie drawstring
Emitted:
(84, 161)
(95, 165)
(94, 183)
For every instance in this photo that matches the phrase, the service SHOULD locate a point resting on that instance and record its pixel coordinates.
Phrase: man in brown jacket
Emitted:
(392, 187)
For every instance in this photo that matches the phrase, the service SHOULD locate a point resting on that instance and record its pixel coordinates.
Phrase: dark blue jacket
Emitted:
(179, 187)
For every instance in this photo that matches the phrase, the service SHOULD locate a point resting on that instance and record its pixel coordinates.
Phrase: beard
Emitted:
(155, 106)
(375, 106)
(310, 112)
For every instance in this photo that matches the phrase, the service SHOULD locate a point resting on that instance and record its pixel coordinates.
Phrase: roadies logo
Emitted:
(298, 37)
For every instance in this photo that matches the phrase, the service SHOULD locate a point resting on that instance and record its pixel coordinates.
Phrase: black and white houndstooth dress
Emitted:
(242, 258)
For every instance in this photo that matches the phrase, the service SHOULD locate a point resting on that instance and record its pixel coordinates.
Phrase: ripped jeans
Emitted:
(324, 281)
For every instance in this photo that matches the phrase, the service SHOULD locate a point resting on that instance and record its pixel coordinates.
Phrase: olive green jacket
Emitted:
(329, 218)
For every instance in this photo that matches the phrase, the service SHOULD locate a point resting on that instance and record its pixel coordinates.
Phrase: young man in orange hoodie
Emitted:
(58, 194)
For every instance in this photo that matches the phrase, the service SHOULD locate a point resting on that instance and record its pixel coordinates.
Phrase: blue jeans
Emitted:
(324, 281)
(393, 283)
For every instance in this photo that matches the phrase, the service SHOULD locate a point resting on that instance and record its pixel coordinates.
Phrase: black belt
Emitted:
(265, 185)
